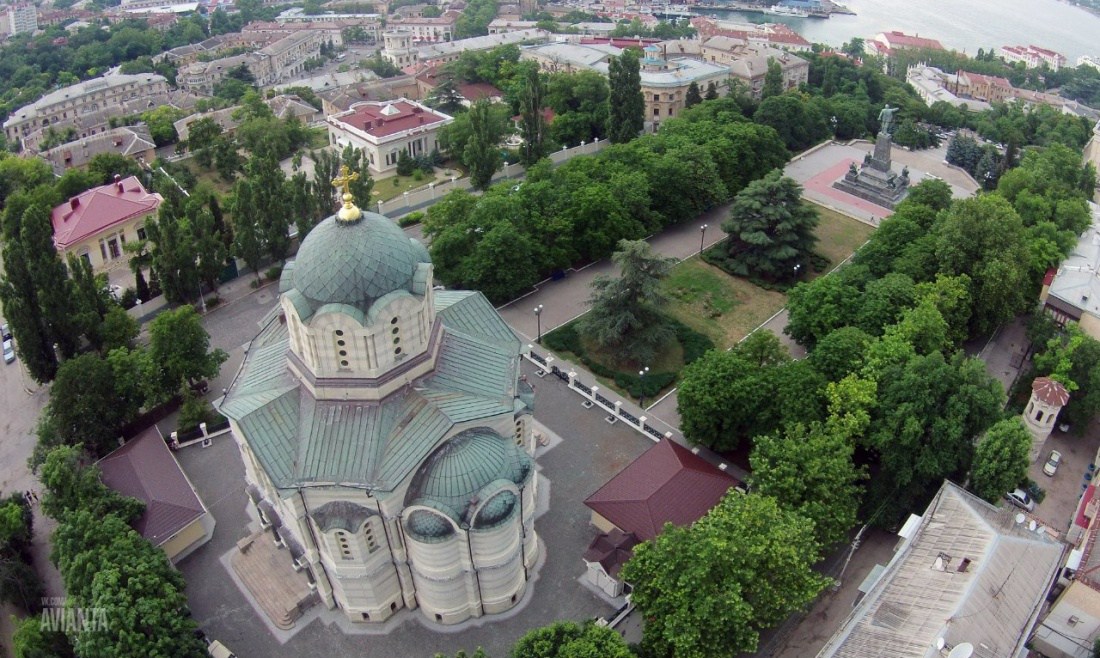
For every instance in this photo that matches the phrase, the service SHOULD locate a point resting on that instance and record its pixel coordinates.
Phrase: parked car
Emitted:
(9, 351)
(218, 650)
(1051, 467)
(5, 331)
(1019, 498)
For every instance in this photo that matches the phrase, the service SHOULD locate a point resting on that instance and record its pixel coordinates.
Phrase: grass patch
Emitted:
(386, 188)
(722, 307)
(318, 138)
(207, 176)
(838, 235)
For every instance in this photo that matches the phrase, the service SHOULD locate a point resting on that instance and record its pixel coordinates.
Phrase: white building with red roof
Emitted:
(885, 43)
(386, 129)
(1033, 57)
(95, 224)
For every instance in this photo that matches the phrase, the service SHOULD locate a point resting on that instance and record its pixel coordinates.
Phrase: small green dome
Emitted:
(456, 473)
(355, 262)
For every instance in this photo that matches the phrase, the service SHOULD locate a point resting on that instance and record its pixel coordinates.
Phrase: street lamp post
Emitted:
(797, 267)
(641, 387)
(538, 320)
(702, 237)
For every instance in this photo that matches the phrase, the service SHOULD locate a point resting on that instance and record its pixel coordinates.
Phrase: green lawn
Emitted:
(386, 189)
(726, 308)
(208, 176)
(838, 236)
(723, 307)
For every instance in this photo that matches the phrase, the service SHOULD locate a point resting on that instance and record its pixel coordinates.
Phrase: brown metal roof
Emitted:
(1050, 391)
(611, 550)
(667, 484)
(145, 469)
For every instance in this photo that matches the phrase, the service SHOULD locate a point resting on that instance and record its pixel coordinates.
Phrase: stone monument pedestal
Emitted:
(875, 181)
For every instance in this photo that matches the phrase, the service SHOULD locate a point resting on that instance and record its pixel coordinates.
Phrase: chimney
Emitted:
(74, 202)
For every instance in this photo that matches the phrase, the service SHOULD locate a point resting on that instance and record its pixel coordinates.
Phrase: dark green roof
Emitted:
(355, 263)
(299, 440)
(458, 471)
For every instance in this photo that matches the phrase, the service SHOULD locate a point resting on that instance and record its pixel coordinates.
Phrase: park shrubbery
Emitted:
(515, 234)
(694, 344)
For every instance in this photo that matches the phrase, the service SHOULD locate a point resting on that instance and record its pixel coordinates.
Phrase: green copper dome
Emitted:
(355, 262)
(458, 471)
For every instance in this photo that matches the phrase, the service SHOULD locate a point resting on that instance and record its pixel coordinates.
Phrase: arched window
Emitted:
(343, 545)
(1039, 415)
(369, 538)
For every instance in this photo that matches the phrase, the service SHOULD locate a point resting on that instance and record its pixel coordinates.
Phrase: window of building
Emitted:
(656, 97)
(656, 111)
(343, 545)
(141, 233)
(368, 536)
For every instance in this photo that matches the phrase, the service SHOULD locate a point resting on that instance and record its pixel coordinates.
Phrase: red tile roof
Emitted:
(145, 469)
(612, 550)
(375, 119)
(101, 208)
(667, 484)
(897, 39)
(1081, 519)
(1050, 391)
(992, 80)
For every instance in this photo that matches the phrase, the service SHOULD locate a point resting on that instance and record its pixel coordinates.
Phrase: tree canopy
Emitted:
(700, 589)
(771, 230)
(1001, 459)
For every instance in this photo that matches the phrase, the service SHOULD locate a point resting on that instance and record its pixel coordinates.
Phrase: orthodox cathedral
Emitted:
(386, 432)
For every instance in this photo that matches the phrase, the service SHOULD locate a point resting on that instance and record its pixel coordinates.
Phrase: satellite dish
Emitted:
(1031, 526)
(940, 642)
(1020, 518)
(964, 650)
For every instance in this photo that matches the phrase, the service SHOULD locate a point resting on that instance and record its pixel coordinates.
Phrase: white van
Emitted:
(219, 650)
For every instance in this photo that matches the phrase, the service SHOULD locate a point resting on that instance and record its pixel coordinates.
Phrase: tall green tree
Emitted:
(532, 122)
(624, 314)
(809, 468)
(773, 79)
(248, 244)
(22, 311)
(1073, 358)
(210, 250)
(693, 96)
(84, 388)
(202, 136)
(929, 412)
(627, 117)
(180, 348)
(568, 639)
(1000, 460)
(50, 277)
(90, 299)
(579, 101)
(984, 239)
(268, 183)
(771, 230)
(172, 250)
(700, 589)
(481, 154)
(31, 641)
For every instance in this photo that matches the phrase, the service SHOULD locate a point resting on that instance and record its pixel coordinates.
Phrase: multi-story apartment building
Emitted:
(63, 107)
(22, 17)
(441, 28)
(1033, 57)
(270, 65)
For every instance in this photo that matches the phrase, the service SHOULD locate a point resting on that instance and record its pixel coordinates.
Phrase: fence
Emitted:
(427, 195)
